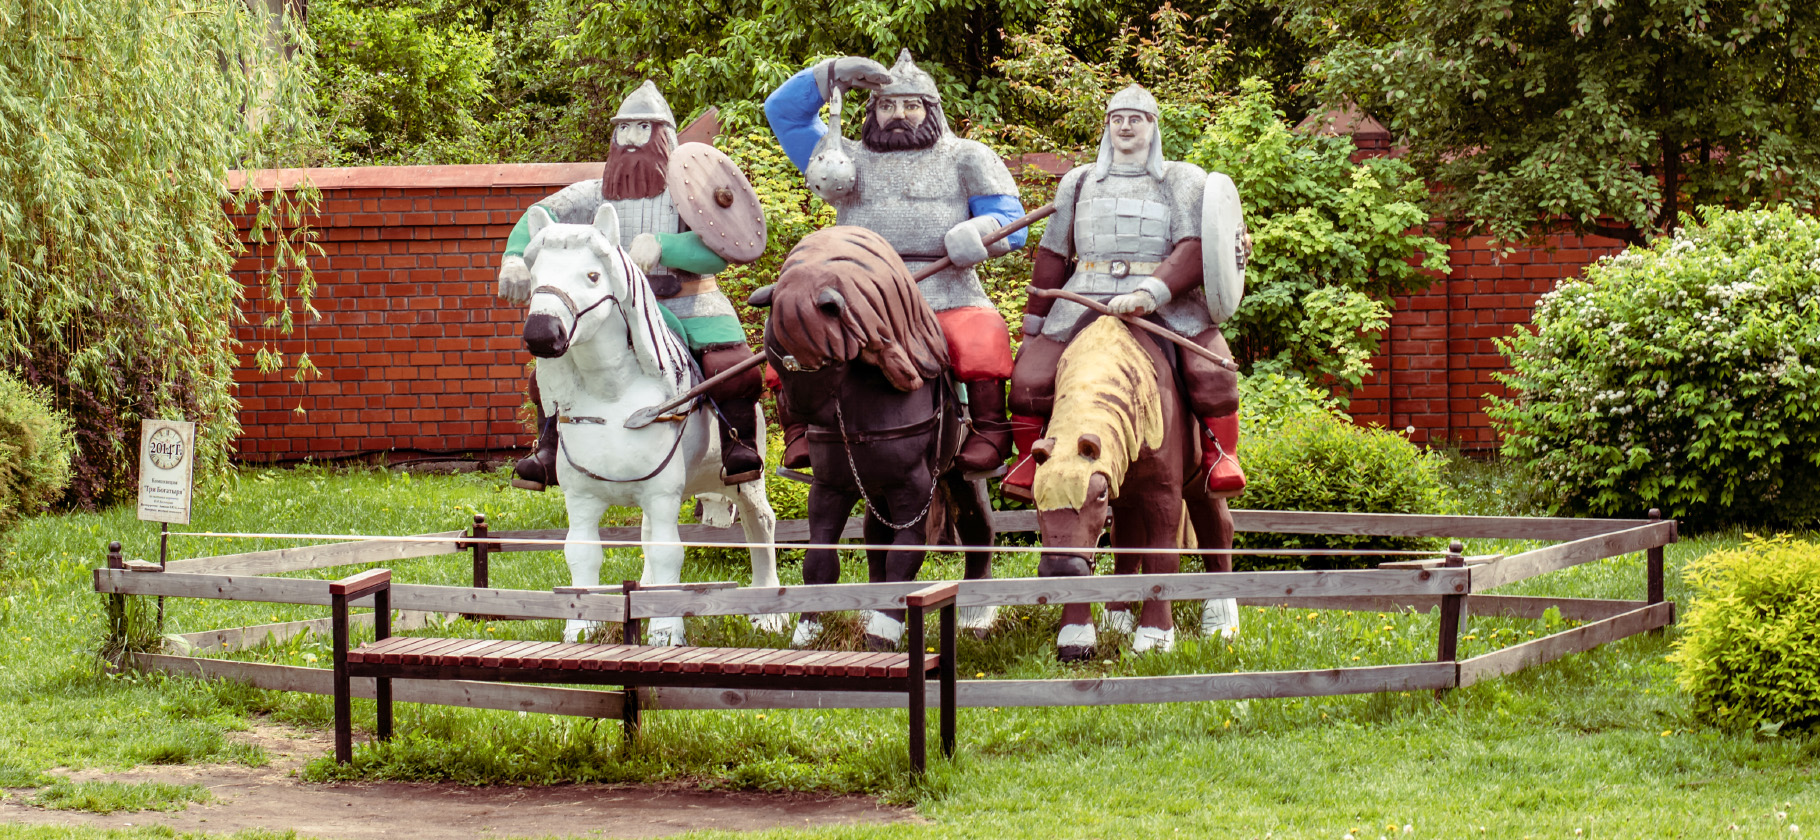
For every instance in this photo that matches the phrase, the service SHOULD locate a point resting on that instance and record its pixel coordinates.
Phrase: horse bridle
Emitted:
(575, 314)
(575, 321)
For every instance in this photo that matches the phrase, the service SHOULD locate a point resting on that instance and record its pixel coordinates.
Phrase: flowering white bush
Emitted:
(1681, 376)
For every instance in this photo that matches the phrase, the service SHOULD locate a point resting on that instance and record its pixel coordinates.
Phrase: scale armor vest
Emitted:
(912, 199)
(1129, 217)
(577, 203)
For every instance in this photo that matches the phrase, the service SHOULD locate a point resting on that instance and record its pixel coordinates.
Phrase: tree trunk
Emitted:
(1670, 217)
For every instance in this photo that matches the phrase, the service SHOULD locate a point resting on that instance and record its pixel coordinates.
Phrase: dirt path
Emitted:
(272, 797)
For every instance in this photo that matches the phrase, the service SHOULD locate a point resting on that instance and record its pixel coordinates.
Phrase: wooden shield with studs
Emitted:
(715, 200)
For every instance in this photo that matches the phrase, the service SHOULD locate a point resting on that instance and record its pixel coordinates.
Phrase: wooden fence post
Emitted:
(634, 635)
(480, 549)
(1658, 591)
(1451, 606)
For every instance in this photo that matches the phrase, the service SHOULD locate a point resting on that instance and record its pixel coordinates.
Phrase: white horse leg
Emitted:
(760, 525)
(584, 558)
(663, 564)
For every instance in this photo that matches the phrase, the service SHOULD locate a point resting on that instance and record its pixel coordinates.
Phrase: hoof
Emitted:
(1220, 616)
(885, 629)
(977, 620)
(773, 623)
(879, 644)
(1148, 639)
(1118, 621)
(806, 633)
(527, 484)
(665, 632)
(1074, 653)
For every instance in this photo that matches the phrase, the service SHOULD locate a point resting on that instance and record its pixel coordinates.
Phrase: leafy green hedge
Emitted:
(1681, 376)
(1299, 453)
(1750, 647)
(35, 447)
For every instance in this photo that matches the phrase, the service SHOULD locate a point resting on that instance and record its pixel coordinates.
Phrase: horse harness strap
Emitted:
(569, 304)
(564, 446)
(819, 433)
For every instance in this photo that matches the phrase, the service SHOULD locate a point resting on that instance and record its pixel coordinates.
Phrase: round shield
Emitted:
(1222, 269)
(715, 200)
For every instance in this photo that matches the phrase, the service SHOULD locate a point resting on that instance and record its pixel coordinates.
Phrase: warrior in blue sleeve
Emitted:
(931, 195)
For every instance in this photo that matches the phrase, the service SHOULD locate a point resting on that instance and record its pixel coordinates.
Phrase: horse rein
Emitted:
(563, 444)
(575, 314)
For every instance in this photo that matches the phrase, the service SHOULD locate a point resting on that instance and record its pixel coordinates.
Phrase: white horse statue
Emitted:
(605, 352)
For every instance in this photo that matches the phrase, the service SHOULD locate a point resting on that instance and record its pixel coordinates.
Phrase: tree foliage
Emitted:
(1606, 116)
(119, 122)
(1333, 241)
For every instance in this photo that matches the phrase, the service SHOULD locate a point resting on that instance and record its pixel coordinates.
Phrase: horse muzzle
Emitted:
(545, 336)
(1064, 565)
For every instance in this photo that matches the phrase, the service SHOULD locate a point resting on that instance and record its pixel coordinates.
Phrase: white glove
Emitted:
(1140, 302)
(966, 243)
(645, 252)
(514, 279)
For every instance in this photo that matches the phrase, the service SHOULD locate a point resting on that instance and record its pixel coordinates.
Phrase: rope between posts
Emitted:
(1000, 549)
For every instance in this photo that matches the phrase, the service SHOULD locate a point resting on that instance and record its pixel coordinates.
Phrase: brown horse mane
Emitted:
(844, 294)
(1105, 386)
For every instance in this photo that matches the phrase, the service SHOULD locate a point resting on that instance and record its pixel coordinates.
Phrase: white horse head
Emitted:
(584, 285)
(605, 352)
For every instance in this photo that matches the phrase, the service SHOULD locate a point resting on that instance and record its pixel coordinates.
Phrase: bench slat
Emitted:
(498, 657)
(426, 654)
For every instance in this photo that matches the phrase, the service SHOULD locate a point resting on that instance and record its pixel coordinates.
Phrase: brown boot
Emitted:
(989, 444)
(796, 446)
(538, 470)
(742, 457)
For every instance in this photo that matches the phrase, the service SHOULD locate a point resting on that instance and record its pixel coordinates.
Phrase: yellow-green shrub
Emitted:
(1750, 648)
(35, 448)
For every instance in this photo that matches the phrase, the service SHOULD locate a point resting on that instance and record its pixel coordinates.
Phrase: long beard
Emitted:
(635, 172)
(885, 138)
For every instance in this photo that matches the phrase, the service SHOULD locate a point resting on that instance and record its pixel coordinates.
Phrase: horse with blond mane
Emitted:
(1121, 448)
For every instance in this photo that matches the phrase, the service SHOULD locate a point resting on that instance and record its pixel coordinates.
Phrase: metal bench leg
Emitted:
(948, 692)
(344, 733)
(634, 635)
(917, 688)
(382, 687)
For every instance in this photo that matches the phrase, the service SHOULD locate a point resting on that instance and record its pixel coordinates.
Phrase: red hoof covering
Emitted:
(979, 345)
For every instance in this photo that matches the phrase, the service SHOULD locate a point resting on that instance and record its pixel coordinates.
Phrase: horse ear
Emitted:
(538, 218)
(762, 297)
(1090, 446)
(606, 220)
(1042, 449)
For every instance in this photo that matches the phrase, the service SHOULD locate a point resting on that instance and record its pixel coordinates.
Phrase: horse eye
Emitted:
(593, 277)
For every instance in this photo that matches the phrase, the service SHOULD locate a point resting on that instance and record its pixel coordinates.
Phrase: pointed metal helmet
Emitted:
(907, 79)
(645, 103)
(1134, 98)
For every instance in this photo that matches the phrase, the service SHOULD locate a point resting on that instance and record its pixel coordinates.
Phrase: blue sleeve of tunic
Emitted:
(794, 113)
(1004, 208)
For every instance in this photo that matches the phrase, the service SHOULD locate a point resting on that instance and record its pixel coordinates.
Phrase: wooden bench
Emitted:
(636, 665)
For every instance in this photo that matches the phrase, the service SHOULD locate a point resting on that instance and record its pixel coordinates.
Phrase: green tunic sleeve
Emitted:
(520, 237)
(683, 252)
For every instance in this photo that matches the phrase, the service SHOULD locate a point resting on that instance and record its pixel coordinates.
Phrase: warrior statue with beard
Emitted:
(928, 193)
(680, 267)
(1129, 230)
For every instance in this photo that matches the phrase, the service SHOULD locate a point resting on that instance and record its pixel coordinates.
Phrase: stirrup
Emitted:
(527, 484)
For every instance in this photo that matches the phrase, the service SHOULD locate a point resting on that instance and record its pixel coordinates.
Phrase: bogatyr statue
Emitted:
(931, 195)
(680, 265)
(1129, 230)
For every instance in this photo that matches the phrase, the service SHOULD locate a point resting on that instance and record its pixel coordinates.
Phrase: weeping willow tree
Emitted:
(120, 121)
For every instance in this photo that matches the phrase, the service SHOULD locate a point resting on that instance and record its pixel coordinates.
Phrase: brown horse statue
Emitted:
(863, 361)
(1121, 449)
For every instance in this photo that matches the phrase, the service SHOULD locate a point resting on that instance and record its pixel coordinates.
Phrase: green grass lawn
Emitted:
(1597, 745)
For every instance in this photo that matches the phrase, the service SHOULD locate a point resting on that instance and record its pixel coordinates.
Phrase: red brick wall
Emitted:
(1436, 364)
(418, 356)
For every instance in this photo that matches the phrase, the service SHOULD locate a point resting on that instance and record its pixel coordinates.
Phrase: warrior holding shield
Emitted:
(1148, 237)
(931, 195)
(687, 211)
